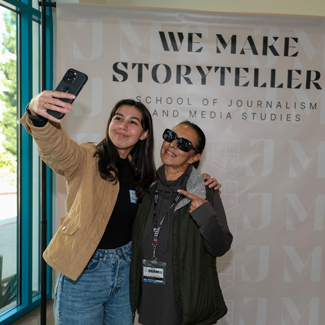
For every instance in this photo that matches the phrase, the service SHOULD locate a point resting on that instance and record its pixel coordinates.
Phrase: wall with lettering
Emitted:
(255, 84)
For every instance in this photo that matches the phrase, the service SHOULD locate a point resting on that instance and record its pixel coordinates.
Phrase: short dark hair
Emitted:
(200, 145)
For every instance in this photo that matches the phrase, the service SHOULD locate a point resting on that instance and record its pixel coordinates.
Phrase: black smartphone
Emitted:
(72, 83)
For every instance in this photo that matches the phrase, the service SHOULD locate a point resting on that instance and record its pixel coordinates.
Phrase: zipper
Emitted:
(178, 265)
(138, 271)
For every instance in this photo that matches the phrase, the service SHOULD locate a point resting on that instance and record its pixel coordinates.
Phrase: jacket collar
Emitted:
(195, 185)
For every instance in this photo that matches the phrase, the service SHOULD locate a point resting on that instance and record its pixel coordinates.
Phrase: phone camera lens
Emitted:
(72, 75)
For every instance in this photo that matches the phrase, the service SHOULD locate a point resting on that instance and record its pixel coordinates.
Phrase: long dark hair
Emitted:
(142, 161)
(200, 145)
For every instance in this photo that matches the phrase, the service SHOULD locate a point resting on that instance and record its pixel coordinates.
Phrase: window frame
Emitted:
(26, 15)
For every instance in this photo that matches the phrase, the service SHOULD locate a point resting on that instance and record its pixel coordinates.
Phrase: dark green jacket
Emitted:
(198, 296)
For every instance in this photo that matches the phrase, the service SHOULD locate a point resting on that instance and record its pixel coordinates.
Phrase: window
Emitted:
(20, 252)
(8, 159)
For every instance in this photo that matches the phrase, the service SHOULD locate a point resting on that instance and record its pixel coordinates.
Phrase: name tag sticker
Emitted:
(153, 271)
(133, 197)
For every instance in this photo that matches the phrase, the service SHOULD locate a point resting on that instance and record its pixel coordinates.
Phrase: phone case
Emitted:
(72, 83)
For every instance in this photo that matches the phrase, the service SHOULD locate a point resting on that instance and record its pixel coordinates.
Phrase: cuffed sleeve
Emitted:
(38, 120)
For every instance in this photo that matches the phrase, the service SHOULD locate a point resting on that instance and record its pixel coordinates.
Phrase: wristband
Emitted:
(37, 120)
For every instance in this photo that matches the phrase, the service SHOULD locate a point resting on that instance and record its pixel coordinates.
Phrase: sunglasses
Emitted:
(182, 143)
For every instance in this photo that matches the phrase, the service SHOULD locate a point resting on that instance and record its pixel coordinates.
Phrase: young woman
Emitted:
(92, 247)
(180, 229)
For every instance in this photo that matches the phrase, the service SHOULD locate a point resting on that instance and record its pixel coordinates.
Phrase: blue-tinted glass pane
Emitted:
(8, 159)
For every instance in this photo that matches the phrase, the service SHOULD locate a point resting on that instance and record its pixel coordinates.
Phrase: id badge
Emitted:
(133, 197)
(153, 271)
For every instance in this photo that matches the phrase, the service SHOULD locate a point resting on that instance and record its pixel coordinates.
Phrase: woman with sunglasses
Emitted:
(180, 229)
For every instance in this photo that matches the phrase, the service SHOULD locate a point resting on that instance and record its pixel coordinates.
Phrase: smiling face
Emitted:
(125, 129)
(176, 160)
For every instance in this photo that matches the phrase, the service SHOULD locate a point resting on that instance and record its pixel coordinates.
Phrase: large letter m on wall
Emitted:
(295, 207)
(300, 154)
(292, 315)
(315, 259)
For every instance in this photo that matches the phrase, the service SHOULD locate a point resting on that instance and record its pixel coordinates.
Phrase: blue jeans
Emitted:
(101, 293)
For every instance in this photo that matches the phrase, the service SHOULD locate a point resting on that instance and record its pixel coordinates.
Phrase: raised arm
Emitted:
(55, 147)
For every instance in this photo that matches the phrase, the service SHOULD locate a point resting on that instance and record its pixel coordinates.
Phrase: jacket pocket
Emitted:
(68, 226)
(199, 295)
(64, 239)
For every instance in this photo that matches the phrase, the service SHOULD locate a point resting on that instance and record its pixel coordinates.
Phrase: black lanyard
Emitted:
(157, 228)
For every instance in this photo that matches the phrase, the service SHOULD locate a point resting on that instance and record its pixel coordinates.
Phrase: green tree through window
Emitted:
(8, 160)
(8, 122)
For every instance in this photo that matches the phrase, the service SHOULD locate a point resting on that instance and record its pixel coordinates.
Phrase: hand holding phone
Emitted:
(72, 83)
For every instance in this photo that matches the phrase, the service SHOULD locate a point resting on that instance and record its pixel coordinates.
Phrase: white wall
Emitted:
(292, 7)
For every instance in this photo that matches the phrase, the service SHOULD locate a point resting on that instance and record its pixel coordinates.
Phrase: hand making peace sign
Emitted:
(195, 200)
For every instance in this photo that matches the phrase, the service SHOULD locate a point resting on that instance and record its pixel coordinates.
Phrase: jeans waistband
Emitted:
(122, 251)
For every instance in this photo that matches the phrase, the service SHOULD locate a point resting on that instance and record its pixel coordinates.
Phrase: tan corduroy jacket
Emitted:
(90, 199)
